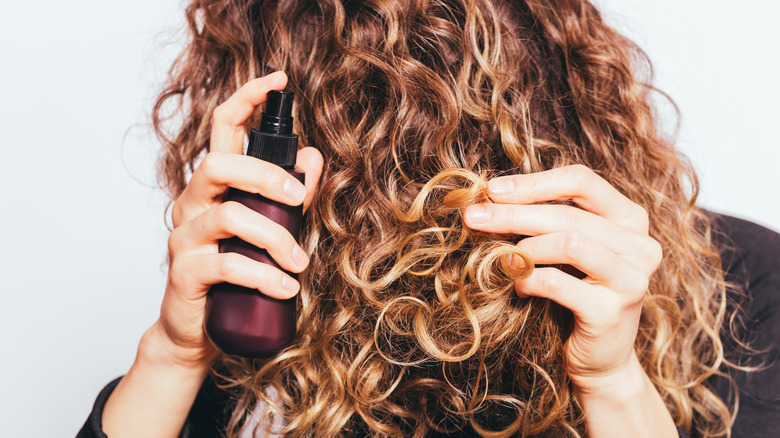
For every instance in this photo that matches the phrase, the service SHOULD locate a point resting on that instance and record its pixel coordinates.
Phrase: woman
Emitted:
(460, 157)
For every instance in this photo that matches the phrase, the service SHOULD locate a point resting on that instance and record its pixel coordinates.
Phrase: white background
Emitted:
(81, 223)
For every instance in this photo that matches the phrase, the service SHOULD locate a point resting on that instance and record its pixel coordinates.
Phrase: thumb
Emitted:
(310, 162)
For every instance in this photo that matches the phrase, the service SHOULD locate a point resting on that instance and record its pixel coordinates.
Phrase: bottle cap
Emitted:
(274, 141)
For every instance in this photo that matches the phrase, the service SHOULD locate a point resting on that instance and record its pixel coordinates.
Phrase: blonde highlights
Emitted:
(408, 321)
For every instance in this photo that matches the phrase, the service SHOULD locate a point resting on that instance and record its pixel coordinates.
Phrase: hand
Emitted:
(606, 238)
(201, 219)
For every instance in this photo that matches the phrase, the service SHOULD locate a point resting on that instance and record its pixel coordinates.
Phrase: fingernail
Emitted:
(290, 284)
(293, 190)
(501, 186)
(478, 214)
(299, 256)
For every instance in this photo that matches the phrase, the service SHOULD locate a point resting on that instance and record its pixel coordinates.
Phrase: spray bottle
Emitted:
(242, 321)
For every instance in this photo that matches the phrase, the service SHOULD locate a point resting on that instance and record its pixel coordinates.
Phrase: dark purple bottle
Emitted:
(242, 321)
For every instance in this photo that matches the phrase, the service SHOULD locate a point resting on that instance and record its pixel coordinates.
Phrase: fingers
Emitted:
(539, 219)
(602, 265)
(234, 219)
(592, 305)
(201, 271)
(219, 170)
(607, 238)
(554, 284)
(225, 166)
(227, 131)
(578, 183)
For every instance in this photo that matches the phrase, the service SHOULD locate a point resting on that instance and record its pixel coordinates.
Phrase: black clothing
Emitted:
(751, 258)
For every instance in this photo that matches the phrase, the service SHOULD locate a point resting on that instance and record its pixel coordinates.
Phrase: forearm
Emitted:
(156, 395)
(625, 405)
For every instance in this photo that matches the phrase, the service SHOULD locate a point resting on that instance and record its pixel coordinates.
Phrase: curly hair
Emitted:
(408, 322)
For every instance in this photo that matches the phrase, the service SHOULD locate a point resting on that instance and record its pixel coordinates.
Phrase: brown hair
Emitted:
(408, 321)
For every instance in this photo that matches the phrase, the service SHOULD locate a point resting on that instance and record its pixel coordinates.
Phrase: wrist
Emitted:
(155, 396)
(621, 384)
(624, 403)
(157, 349)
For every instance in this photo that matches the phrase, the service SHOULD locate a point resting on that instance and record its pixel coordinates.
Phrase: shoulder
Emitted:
(756, 245)
(750, 255)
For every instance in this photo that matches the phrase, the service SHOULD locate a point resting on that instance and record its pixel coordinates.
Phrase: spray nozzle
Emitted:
(277, 117)
(274, 141)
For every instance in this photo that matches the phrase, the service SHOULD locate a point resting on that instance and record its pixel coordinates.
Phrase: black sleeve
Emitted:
(751, 258)
(93, 428)
(205, 420)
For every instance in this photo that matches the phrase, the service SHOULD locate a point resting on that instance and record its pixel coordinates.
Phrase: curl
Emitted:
(408, 321)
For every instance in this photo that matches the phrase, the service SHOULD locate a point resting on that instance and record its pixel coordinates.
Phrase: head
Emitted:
(408, 322)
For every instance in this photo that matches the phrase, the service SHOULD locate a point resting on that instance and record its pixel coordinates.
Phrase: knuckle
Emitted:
(656, 253)
(226, 215)
(280, 241)
(581, 174)
(568, 218)
(266, 275)
(637, 289)
(175, 279)
(225, 265)
(530, 183)
(207, 166)
(173, 243)
(280, 238)
(548, 280)
(575, 245)
(273, 175)
(642, 285)
(511, 216)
